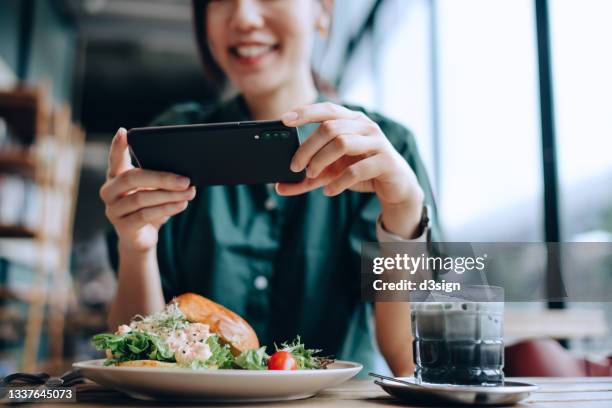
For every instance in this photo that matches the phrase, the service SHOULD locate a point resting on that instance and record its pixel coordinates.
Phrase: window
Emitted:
(582, 72)
(582, 78)
(489, 121)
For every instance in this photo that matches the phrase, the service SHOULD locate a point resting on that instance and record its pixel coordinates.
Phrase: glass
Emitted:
(459, 339)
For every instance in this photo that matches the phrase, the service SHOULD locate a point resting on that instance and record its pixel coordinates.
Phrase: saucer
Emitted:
(425, 393)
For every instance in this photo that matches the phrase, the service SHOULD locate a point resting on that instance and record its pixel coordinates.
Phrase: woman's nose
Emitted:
(247, 15)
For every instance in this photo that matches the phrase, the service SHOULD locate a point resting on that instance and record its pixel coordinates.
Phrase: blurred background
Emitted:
(509, 101)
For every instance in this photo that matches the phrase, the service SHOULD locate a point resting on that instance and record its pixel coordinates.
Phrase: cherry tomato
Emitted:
(282, 360)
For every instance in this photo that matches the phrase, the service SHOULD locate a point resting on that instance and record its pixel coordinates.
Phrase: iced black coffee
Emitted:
(458, 341)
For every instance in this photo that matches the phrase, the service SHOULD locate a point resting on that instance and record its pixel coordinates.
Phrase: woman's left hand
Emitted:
(349, 151)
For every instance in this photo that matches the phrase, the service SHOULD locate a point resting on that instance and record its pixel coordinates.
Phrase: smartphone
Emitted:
(229, 153)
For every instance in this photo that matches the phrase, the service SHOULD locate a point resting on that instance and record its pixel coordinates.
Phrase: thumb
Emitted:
(119, 159)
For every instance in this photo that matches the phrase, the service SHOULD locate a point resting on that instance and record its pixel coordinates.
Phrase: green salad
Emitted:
(167, 337)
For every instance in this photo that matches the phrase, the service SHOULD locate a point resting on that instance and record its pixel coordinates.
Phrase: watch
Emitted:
(424, 223)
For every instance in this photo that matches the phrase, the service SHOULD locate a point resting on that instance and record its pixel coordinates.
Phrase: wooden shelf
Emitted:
(19, 294)
(16, 231)
(45, 131)
(25, 111)
(9, 314)
(19, 162)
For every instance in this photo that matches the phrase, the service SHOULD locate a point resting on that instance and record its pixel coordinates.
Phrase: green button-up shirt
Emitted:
(288, 265)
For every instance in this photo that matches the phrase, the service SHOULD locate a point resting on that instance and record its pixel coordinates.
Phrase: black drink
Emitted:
(458, 342)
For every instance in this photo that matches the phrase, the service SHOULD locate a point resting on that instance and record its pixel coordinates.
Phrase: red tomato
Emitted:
(282, 360)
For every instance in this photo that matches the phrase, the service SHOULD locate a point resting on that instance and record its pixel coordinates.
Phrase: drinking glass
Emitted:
(458, 339)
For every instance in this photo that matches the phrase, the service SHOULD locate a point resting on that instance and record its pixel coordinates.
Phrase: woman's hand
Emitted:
(349, 151)
(138, 202)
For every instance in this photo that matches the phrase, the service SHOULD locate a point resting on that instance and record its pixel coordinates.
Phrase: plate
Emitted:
(510, 393)
(217, 385)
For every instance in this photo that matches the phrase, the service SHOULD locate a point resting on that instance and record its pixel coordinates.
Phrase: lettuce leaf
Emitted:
(221, 355)
(304, 358)
(134, 345)
(256, 359)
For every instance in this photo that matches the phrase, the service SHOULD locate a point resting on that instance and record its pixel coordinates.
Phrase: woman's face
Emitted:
(263, 45)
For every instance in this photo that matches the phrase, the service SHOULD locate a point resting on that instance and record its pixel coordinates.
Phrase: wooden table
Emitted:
(554, 393)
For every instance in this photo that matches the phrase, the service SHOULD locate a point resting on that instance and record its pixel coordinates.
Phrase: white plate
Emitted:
(217, 385)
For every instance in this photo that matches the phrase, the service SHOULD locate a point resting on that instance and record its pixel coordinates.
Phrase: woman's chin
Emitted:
(257, 86)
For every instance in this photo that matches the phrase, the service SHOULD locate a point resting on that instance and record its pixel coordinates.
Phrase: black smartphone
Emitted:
(219, 153)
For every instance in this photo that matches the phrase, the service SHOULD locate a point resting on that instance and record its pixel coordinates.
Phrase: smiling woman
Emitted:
(263, 35)
(365, 182)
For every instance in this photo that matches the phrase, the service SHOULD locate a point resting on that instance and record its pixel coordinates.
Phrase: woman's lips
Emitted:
(252, 54)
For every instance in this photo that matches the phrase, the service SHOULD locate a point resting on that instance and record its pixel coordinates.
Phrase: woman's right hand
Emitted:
(138, 202)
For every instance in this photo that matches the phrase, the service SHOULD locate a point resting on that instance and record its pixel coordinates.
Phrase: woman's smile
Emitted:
(263, 47)
(253, 54)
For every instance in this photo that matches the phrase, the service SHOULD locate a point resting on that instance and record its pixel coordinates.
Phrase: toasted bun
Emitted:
(147, 364)
(231, 328)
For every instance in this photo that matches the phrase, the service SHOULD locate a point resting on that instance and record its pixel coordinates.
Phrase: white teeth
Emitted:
(250, 51)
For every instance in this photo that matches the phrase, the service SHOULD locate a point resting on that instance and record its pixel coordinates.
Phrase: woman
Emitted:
(285, 257)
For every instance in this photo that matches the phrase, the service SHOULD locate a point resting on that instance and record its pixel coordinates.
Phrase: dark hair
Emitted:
(213, 71)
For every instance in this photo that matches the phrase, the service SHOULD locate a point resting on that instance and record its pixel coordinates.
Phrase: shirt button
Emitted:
(271, 204)
(261, 282)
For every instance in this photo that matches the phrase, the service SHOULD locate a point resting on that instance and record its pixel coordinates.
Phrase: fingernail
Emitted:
(309, 172)
(289, 116)
(183, 181)
(295, 167)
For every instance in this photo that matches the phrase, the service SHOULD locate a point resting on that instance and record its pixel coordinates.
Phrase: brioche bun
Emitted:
(231, 328)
